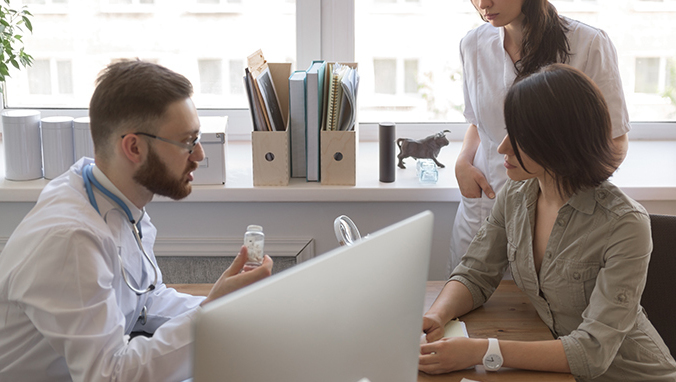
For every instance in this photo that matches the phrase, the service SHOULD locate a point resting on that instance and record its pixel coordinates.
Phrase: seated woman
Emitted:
(574, 242)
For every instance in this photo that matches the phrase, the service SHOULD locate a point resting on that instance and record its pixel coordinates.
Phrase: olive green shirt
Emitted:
(589, 287)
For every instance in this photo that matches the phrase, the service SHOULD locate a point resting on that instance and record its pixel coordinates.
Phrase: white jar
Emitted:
(254, 240)
(82, 138)
(57, 145)
(23, 151)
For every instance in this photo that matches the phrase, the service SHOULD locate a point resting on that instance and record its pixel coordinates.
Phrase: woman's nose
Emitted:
(505, 146)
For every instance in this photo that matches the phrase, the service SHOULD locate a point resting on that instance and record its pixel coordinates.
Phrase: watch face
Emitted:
(492, 362)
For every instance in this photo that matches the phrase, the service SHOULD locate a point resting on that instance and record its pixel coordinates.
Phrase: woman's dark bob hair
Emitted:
(559, 118)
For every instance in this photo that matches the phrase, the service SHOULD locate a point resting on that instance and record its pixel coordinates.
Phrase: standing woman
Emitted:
(577, 246)
(520, 37)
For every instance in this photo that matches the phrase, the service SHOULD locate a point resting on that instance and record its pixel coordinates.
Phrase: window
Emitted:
(210, 76)
(411, 76)
(385, 75)
(407, 50)
(209, 45)
(647, 75)
(50, 77)
(424, 40)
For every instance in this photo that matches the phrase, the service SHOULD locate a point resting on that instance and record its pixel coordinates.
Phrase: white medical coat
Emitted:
(488, 73)
(65, 310)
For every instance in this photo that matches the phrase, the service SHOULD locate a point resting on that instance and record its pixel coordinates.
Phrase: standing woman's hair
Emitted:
(544, 37)
(559, 118)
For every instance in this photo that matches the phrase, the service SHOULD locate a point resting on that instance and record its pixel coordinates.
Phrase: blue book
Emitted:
(297, 124)
(314, 82)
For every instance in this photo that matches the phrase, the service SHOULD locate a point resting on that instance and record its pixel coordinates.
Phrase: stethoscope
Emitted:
(135, 227)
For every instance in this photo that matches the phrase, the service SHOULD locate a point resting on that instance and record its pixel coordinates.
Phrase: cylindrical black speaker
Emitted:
(386, 137)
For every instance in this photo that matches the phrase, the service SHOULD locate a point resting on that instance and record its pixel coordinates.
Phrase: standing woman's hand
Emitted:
(471, 180)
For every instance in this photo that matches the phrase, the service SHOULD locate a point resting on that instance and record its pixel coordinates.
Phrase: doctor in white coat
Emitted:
(78, 275)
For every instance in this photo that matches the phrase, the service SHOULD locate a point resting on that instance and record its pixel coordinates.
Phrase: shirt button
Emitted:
(576, 275)
(549, 255)
(602, 194)
(560, 222)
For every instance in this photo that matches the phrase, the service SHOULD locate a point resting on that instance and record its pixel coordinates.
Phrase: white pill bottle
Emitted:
(254, 240)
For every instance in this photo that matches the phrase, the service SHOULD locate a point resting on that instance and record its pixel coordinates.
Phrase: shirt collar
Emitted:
(136, 213)
(583, 200)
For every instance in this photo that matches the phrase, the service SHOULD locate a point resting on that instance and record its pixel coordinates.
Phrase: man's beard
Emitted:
(155, 176)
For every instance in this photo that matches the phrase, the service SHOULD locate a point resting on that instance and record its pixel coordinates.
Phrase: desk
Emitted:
(507, 315)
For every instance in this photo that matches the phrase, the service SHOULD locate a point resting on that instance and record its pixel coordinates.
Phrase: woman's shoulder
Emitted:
(581, 32)
(615, 201)
(479, 35)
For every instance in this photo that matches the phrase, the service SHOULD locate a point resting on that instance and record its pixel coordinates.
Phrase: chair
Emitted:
(658, 297)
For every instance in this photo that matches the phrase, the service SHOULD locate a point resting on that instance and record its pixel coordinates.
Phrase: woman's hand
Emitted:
(432, 327)
(471, 180)
(451, 354)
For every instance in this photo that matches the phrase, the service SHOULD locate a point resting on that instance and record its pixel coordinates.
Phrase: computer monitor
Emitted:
(352, 313)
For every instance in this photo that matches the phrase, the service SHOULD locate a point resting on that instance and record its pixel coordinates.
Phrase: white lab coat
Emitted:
(488, 73)
(65, 310)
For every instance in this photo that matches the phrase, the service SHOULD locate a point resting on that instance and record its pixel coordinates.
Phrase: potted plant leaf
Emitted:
(12, 23)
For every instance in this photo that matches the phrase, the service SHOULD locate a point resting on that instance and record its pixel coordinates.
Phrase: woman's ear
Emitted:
(134, 148)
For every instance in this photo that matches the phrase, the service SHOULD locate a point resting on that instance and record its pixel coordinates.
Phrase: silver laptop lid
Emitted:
(352, 313)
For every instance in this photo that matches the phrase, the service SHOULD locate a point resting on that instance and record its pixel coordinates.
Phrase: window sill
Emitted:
(647, 174)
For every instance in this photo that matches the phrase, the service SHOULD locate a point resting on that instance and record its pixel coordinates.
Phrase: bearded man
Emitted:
(78, 276)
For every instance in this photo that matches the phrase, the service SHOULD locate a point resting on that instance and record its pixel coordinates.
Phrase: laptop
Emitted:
(352, 314)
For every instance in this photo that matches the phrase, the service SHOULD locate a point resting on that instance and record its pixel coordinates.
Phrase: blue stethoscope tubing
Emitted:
(89, 180)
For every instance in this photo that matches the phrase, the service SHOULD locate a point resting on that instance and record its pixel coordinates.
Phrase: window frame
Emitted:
(326, 29)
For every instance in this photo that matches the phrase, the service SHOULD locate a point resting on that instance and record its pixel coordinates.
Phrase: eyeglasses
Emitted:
(188, 146)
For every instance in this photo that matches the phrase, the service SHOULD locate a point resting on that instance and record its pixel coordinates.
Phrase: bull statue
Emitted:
(428, 147)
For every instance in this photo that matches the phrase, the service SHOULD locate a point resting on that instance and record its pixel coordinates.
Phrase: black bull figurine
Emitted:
(428, 147)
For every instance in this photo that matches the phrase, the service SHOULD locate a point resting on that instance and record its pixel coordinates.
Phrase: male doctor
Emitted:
(78, 275)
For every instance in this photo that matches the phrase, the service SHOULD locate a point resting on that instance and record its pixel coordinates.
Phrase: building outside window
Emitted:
(407, 51)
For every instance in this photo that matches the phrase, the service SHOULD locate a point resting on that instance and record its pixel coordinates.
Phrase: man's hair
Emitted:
(130, 96)
(559, 118)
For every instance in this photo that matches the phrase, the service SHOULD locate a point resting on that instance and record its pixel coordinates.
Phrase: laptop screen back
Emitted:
(352, 313)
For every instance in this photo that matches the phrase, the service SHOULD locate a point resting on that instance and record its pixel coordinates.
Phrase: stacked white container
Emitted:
(82, 138)
(57, 145)
(23, 151)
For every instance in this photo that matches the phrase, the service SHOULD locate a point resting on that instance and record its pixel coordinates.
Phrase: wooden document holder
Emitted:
(338, 158)
(270, 149)
(270, 152)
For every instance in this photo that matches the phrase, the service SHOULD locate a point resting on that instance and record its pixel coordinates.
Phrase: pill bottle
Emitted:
(254, 240)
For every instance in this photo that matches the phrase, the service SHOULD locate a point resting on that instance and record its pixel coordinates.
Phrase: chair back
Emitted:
(658, 298)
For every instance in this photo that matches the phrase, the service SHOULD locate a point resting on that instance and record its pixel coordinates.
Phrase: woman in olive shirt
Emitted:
(574, 242)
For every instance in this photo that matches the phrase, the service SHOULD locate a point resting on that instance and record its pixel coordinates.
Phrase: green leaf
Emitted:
(28, 23)
(15, 64)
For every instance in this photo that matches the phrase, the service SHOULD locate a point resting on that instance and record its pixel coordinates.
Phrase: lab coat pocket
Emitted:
(577, 280)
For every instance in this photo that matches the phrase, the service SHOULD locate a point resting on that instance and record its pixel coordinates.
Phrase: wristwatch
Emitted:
(493, 357)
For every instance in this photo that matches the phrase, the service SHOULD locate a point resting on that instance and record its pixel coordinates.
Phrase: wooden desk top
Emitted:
(507, 315)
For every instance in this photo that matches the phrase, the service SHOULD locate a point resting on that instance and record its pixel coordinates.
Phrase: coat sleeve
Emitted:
(482, 267)
(602, 67)
(68, 295)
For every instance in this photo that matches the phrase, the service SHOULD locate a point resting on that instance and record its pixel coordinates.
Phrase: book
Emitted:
(257, 117)
(313, 116)
(297, 123)
(264, 90)
(335, 97)
(341, 98)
